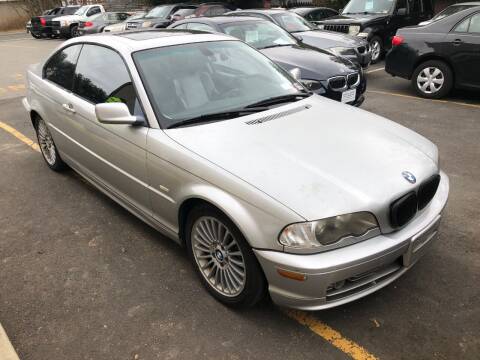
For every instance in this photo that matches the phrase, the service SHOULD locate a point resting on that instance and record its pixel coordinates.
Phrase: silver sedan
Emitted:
(268, 186)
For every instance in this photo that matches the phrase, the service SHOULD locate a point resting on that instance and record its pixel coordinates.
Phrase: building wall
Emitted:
(12, 16)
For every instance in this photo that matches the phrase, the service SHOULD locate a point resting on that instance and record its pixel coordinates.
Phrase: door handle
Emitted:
(457, 42)
(68, 107)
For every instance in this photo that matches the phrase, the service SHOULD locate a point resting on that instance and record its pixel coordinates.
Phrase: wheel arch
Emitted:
(430, 57)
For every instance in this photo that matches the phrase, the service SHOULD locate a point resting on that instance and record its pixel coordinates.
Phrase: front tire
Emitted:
(36, 36)
(432, 79)
(48, 147)
(376, 47)
(222, 258)
(74, 31)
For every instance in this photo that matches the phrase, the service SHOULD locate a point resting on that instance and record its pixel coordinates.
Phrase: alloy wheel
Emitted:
(430, 80)
(218, 256)
(46, 143)
(376, 49)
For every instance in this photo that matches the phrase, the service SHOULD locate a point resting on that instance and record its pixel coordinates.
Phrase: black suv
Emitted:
(378, 20)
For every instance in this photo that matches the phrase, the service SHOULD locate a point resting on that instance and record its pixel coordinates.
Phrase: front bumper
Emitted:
(340, 276)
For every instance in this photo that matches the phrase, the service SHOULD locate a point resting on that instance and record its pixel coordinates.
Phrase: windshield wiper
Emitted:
(280, 99)
(224, 115)
(275, 45)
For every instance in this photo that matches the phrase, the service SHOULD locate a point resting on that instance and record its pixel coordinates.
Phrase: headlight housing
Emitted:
(333, 232)
(64, 23)
(342, 51)
(353, 29)
(147, 24)
(312, 85)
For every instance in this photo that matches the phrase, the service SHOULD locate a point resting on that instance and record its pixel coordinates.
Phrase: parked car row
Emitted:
(270, 187)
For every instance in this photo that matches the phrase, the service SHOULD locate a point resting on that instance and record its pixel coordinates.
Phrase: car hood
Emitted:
(314, 64)
(320, 158)
(361, 19)
(327, 39)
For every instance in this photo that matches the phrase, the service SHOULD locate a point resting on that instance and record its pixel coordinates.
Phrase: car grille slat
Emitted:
(353, 79)
(427, 190)
(336, 28)
(337, 82)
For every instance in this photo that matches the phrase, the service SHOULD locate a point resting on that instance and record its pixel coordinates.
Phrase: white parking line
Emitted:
(374, 70)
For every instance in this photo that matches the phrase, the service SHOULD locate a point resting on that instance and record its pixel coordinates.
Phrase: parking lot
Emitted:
(81, 278)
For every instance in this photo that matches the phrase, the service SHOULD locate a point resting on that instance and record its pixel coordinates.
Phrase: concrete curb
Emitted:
(7, 352)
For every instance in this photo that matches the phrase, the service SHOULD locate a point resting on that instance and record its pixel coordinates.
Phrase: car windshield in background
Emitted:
(193, 80)
(70, 10)
(369, 7)
(136, 16)
(293, 22)
(450, 11)
(159, 12)
(82, 11)
(259, 34)
(185, 12)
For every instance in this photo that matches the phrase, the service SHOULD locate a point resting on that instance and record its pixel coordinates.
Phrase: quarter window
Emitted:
(474, 24)
(60, 69)
(93, 11)
(101, 76)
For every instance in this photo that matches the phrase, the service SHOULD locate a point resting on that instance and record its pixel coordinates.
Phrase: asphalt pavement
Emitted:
(81, 278)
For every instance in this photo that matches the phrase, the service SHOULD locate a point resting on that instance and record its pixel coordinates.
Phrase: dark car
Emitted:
(314, 14)
(351, 47)
(41, 26)
(378, 20)
(439, 56)
(318, 70)
(158, 17)
(100, 21)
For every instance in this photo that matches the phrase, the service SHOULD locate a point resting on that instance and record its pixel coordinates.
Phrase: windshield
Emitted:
(369, 7)
(259, 34)
(137, 16)
(190, 80)
(292, 22)
(159, 12)
(70, 10)
(82, 10)
(185, 12)
(450, 11)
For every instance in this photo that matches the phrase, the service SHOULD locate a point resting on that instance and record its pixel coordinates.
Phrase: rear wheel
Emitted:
(36, 36)
(376, 46)
(74, 31)
(432, 79)
(47, 146)
(223, 259)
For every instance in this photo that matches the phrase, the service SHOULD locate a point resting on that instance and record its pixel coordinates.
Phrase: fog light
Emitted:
(339, 284)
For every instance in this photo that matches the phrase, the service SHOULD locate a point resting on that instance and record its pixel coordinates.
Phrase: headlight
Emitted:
(342, 51)
(363, 35)
(321, 26)
(64, 23)
(147, 24)
(353, 29)
(326, 232)
(312, 85)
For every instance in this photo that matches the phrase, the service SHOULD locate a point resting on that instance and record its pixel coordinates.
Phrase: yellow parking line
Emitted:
(7, 352)
(20, 136)
(347, 346)
(419, 98)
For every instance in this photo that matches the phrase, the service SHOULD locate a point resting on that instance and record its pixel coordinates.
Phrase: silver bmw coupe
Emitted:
(269, 187)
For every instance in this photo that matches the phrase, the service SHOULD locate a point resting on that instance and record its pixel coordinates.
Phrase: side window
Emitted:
(415, 7)
(60, 69)
(463, 26)
(92, 11)
(402, 4)
(181, 26)
(200, 27)
(101, 76)
(123, 16)
(317, 15)
(474, 24)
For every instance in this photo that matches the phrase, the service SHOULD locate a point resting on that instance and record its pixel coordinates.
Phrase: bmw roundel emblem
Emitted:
(409, 177)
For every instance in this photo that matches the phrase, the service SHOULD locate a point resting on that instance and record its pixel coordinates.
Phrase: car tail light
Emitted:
(397, 40)
(88, 24)
(43, 21)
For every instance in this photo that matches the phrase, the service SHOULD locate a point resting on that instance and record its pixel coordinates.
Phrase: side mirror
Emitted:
(116, 113)
(299, 38)
(296, 73)
(401, 11)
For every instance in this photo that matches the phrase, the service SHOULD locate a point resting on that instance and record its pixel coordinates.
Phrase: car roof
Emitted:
(261, 11)
(220, 19)
(135, 40)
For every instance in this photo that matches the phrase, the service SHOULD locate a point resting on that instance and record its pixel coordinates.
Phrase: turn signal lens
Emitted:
(88, 24)
(292, 275)
(43, 21)
(397, 40)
